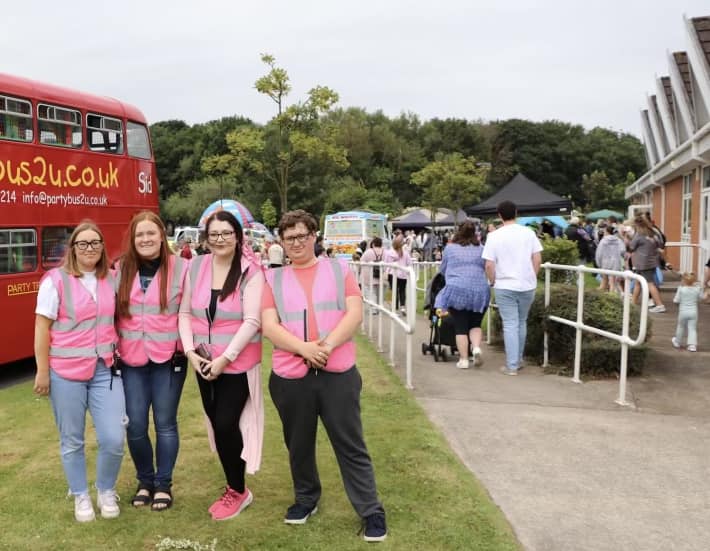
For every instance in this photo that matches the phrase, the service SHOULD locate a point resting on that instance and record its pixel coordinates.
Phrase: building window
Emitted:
(706, 177)
(18, 251)
(104, 134)
(15, 119)
(687, 203)
(59, 126)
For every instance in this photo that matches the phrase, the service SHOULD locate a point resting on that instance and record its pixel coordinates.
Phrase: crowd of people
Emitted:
(117, 340)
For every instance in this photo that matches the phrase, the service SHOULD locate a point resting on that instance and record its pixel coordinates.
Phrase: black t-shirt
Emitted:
(146, 272)
(213, 303)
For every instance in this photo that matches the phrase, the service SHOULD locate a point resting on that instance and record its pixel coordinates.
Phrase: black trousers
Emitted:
(335, 398)
(401, 290)
(223, 400)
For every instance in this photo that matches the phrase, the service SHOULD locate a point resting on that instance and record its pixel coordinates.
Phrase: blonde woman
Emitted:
(74, 343)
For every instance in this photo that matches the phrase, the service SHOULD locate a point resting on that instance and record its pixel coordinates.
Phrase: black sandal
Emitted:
(163, 503)
(141, 500)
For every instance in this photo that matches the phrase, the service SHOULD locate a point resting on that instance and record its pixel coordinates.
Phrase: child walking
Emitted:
(687, 297)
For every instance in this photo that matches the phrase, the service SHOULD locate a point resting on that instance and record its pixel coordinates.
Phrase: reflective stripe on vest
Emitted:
(151, 334)
(81, 320)
(328, 297)
(227, 319)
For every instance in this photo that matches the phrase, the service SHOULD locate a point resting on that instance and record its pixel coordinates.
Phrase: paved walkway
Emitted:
(572, 470)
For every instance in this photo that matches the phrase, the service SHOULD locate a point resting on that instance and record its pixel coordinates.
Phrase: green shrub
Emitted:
(600, 356)
(558, 251)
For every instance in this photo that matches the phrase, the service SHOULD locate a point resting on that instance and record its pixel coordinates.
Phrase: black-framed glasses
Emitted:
(300, 237)
(95, 245)
(225, 235)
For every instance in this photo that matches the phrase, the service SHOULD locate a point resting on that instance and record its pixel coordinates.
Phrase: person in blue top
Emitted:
(466, 293)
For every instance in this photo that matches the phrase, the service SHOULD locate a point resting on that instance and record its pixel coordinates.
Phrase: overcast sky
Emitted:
(582, 62)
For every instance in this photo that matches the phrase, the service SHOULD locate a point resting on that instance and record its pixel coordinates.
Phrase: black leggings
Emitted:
(223, 400)
(401, 291)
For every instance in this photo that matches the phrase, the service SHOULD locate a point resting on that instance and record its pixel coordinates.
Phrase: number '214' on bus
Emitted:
(64, 156)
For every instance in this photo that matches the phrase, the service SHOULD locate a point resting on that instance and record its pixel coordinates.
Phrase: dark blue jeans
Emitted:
(160, 386)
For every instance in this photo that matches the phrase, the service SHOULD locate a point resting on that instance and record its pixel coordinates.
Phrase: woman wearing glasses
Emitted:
(150, 290)
(220, 323)
(74, 343)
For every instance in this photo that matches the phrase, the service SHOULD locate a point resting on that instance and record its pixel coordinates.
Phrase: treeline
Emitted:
(351, 158)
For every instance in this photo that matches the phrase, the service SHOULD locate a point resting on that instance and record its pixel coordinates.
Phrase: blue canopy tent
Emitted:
(555, 220)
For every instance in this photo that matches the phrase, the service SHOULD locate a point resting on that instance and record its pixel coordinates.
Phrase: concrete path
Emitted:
(572, 470)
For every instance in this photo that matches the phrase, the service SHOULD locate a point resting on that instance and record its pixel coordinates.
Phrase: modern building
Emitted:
(676, 134)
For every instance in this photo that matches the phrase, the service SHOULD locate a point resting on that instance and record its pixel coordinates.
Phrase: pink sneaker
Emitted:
(231, 504)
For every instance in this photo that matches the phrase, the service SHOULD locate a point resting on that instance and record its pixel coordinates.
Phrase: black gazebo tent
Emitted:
(528, 196)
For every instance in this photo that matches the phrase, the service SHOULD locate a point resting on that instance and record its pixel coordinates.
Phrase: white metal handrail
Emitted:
(702, 254)
(624, 339)
(407, 325)
(424, 268)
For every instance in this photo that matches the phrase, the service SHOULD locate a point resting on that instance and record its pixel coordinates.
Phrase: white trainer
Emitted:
(463, 364)
(83, 508)
(107, 501)
(675, 342)
(477, 357)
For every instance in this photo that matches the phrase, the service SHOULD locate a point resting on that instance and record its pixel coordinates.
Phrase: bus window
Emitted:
(18, 251)
(54, 244)
(104, 133)
(59, 126)
(138, 142)
(15, 119)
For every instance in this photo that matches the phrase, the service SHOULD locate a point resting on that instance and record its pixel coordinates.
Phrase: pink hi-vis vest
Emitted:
(328, 296)
(228, 316)
(149, 334)
(83, 331)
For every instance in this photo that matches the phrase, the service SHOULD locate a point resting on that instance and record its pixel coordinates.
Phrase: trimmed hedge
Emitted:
(559, 251)
(600, 356)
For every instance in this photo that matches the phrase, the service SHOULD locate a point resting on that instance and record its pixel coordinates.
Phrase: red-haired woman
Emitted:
(150, 290)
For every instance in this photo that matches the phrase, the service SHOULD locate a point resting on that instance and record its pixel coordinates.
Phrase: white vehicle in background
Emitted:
(345, 230)
(185, 232)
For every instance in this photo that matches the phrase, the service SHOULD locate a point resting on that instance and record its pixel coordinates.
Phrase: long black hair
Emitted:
(235, 270)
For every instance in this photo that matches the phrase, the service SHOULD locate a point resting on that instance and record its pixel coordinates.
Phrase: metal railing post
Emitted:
(394, 312)
(580, 319)
(545, 342)
(411, 322)
(623, 367)
(380, 305)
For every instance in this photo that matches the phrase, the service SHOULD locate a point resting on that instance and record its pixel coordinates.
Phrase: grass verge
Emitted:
(432, 500)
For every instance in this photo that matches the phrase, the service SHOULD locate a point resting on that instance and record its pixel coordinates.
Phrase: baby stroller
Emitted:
(441, 329)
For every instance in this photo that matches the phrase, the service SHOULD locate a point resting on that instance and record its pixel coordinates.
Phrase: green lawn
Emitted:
(432, 500)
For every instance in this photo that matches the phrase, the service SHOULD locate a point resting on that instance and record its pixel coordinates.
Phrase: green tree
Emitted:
(451, 181)
(291, 143)
(597, 189)
(347, 194)
(187, 207)
(268, 214)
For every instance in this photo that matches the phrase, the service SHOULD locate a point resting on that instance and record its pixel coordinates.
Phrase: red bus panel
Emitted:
(46, 190)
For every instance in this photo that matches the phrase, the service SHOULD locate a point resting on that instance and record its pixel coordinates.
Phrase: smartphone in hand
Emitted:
(203, 352)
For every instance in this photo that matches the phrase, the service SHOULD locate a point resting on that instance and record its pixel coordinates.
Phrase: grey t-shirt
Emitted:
(644, 252)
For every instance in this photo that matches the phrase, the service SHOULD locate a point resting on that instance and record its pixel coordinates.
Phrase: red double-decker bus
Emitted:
(64, 156)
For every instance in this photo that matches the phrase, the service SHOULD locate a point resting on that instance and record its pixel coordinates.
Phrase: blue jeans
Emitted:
(514, 307)
(689, 320)
(160, 386)
(104, 400)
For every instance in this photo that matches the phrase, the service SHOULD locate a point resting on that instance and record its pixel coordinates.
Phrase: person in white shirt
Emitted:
(512, 255)
(276, 254)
